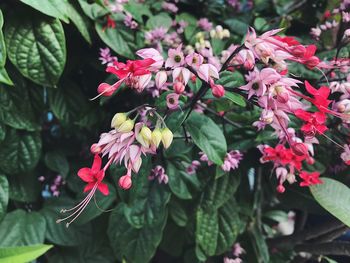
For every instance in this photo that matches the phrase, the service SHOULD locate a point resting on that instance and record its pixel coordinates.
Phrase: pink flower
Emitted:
(125, 182)
(151, 53)
(172, 101)
(204, 158)
(161, 78)
(129, 22)
(158, 173)
(194, 60)
(310, 178)
(106, 57)
(179, 87)
(237, 250)
(181, 74)
(207, 72)
(204, 24)
(156, 35)
(170, 7)
(175, 58)
(191, 169)
(231, 161)
(346, 154)
(217, 90)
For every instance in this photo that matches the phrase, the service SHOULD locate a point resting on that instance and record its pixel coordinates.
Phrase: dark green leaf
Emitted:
(4, 77)
(57, 162)
(4, 195)
(24, 187)
(25, 229)
(178, 213)
(36, 45)
(20, 151)
(207, 229)
(207, 136)
(136, 245)
(235, 98)
(54, 8)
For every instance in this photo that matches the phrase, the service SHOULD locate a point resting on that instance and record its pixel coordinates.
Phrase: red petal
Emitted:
(310, 51)
(143, 63)
(100, 175)
(304, 115)
(88, 187)
(86, 175)
(310, 88)
(103, 188)
(324, 92)
(96, 166)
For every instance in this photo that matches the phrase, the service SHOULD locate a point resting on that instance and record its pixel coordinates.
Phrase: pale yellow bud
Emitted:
(118, 119)
(167, 137)
(144, 137)
(156, 137)
(212, 33)
(219, 28)
(126, 126)
(226, 33)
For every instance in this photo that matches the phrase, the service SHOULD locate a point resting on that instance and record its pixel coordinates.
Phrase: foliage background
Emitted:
(49, 69)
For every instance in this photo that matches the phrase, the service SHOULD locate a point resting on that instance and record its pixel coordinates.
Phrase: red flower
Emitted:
(94, 176)
(110, 23)
(132, 67)
(320, 95)
(314, 122)
(290, 41)
(310, 178)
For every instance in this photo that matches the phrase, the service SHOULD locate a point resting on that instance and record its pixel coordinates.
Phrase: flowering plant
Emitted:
(163, 131)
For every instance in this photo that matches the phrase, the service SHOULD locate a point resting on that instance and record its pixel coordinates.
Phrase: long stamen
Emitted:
(332, 140)
(77, 206)
(80, 207)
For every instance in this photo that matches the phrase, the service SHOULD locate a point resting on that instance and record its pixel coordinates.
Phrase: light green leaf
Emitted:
(333, 196)
(159, 20)
(54, 8)
(25, 229)
(20, 151)
(115, 40)
(230, 79)
(207, 136)
(4, 195)
(22, 254)
(137, 10)
(207, 229)
(235, 98)
(135, 245)
(4, 77)
(93, 10)
(36, 46)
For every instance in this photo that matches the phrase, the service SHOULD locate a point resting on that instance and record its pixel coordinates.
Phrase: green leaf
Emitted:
(57, 162)
(235, 98)
(180, 182)
(137, 10)
(4, 195)
(333, 196)
(237, 26)
(259, 245)
(24, 187)
(20, 151)
(36, 46)
(136, 245)
(207, 136)
(178, 213)
(147, 200)
(115, 39)
(58, 233)
(93, 10)
(159, 20)
(229, 226)
(207, 229)
(16, 109)
(22, 254)
(230, 79)
(54, 8)
(26, 229)
(218, 191)
(4, 77)
(175, 120)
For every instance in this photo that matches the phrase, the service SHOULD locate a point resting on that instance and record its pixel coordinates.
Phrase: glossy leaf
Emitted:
(4, 195)
(36, 45)
(4, 77)
(207, 229)
(207, 136)
(333, 196)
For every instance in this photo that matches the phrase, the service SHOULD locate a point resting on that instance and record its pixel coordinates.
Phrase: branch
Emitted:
(339, 248)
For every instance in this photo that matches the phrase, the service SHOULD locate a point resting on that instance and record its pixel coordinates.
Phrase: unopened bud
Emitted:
(118, 119)
(126, 126)
(167, 137)
(218, 90)
(300, 149)
(280, 189)
(156, 137)
(95, 149)
(161, 78)
(125, 182)
(145, 136)
(179, 87)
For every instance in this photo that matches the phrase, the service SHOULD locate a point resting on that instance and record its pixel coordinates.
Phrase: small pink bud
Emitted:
(105, 89)
(95, 149)
(280, 189)
(218, 90)
(179, 87)
(125, 182)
